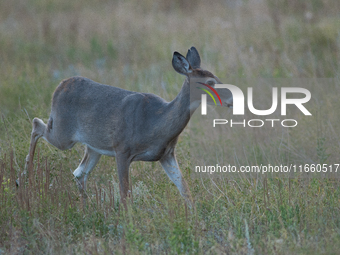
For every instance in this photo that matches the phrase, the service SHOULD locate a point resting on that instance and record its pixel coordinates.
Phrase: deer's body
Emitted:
(128, 125)
(132, 118)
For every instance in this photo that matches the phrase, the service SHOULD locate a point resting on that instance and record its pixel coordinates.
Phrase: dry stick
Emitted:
(30, 173)
(68, 191)
(280, 190)
(104, 205)
(12, 173)
(96, 194)
(179, 203)
(2, 195)
(289, 191)
(118, 215)
(28, 190)
(21, 192)
(65, 205)
(36, 181)
(131, 194)
(110, 199)
(3, 199)
(52, 191)
(69, 198)
(264, 193)
(186, 211)
(83, 202)
(56, 187)
(28, 203)
(267, 192)
(169, 207)
(100, 198)
(69, 195)
(17, 192)
(123, 242)
(47, 179)
(18, 197)
(43, 190)
(52, 195)
(109, 203)
(60, 184)
(12, 177)
(264, 197)
(131, 190)
(33, 176)
(1, 179)
(1, 172)
(41, 181)
(38, 164)
(61, 176)
(23, 188)
(113, 196)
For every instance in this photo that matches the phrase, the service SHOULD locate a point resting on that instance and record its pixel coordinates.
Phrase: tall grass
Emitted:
(129, 44)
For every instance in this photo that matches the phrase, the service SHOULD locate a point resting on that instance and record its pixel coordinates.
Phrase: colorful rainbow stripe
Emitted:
(213, 90)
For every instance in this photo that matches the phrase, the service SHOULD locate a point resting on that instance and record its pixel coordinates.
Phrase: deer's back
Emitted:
(103, 116)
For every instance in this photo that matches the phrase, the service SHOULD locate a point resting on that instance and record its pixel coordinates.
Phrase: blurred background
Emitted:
(129, 44)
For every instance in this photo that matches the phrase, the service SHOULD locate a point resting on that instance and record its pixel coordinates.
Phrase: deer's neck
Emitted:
(178, 112)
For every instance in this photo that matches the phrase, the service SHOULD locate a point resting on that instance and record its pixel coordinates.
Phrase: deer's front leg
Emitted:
(170, 165)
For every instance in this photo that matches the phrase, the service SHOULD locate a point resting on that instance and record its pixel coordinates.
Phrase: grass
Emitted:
(130, 44)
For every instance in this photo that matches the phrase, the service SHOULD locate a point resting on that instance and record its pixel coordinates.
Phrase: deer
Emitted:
(130, 126)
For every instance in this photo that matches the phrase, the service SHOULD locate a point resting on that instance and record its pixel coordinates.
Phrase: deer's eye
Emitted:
(211, 82)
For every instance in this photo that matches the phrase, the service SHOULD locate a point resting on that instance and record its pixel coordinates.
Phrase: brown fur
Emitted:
(202, 73)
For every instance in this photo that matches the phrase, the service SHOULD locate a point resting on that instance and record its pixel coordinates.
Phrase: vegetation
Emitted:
(129, 44)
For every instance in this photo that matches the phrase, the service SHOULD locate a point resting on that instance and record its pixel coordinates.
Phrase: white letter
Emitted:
(244, 123)
(262, 123)
(204, 104)
(272, 121)
(289, 120)
(211, 169)
(220, 121)
(262, 112)
(298, 102)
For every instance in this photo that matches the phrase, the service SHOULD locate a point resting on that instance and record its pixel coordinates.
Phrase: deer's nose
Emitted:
(229, 103)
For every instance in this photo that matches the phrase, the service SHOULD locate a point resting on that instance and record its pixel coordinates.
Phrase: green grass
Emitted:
(129, 44)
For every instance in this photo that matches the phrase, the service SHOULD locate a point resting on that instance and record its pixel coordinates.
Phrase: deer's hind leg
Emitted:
(51, 134)
(40, 129)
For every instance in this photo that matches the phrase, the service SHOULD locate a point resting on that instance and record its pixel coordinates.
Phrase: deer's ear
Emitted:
(180, 64)
(194, 58)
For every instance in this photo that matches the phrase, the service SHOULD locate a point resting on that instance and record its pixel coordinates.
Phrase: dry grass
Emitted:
(130, 44)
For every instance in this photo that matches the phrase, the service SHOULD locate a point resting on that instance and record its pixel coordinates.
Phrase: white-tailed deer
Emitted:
(130, 126)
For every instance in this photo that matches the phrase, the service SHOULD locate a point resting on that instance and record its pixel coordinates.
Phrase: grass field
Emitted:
(129, 44)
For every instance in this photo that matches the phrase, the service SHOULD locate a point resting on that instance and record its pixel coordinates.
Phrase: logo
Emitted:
(204, 97)
(239, 103)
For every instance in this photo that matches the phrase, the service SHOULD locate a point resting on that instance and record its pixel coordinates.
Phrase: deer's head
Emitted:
(200, 80)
